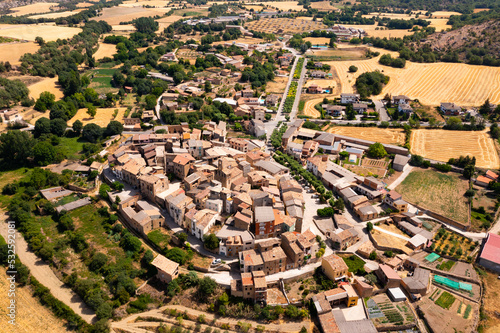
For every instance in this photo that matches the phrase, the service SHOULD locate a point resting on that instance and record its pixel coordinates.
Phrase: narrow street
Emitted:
(382, 111)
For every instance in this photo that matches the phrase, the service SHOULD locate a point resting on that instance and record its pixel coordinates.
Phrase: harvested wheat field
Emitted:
(31, 316)
(31, 31)
(11, 52)
(323, 83)
(323, 6)
(284, 5)
(441, 145)
(102, 117)
(477, 10)
(308, 18)
(466, 85)
(439, 24)
(55, 15)
(105, 50)
(339, 54)
(309, 109)
(47, 84)
(243, 40)
(277, 86)
(441, 14)
(37, 8)
(383, 135)
(256, 8)
(165, 22)
(152, 3)
(372, 32)
(115, 15)
(317, 40)
(393, 16)
(84, 5)
(288, 25)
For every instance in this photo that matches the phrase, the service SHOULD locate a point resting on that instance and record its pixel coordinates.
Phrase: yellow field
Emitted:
(47, 84)
(387, 135)
(441, 145)
(55, 15)
(31, 316)
(317, 40)
(444, 14)
(323, 6)
(370, 30)
(102, 117)
(165, 22)
(11, 52)
(439, 24)
(31, 31)
(105, 50)
(390, 15)
(84, 4)
(309, 109)
(243, 40)
(277, 86)
(272, 25)
(256, 8)
(40, 7)
(154, 3)
(284, 5)
(308, 18)
(115, 15)
(433, 83)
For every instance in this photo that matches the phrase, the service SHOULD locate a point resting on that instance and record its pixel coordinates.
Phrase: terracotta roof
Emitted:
(389, 272)
(183, 159)
(336, 262)
(491, 249)
(489, 174)
(165, 264)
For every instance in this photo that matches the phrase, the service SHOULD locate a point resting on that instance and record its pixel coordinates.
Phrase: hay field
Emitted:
(431, 83)
(84, 5)
(439, 24)
(242, 40)
(309, 109)
(308, 18)
(370, 30)
(55, 15)
(393, 16)
(272, 25)
(284, 5)
(323, 6)
(105, 50)
(317, 40)
(102, 117)
(256, 8)
(31, 31)
(165, 22)
(477, 10)
(37, 8)
(11, 52)
(31, 316)
(47, 84)
(441, 145)
(339, 54)
(442, 14)
(115, 15)
(154, 3)
(277, 86)
(383, 135)
(323, 83)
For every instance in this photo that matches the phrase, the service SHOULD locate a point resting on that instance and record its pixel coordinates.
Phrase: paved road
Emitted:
(44, 274)
(406, 171)
(382, 111)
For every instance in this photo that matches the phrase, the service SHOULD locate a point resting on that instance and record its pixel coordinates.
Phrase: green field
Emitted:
(438, 192)
(446, 266)
(71, 147)
(354, 263)
(446, 300)
(101, 82)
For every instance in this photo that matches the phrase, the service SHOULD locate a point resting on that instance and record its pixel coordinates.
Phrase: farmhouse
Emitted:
(482, 181)
(168, 270)
(490, 253)
(388, 276)
(450, 109)
(349, 98)
(318, 74)
(334, 110)
(314, 89)
(400, 99)
(405, 108)
(400, 162)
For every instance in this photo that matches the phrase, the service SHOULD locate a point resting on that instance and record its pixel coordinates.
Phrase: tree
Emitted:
(369, 227)
(130, 243)
(58, 126)
(178, 255)
(206, 287)
(145, 25)
(45, 101)
(376, 150)
(117, 186)
(454, 123)
(114, 128)
(469, 171)
(339, 205)
(343, 155)
(91, 110)
(44, 153)
(373, 256)
(92, 132)
(42, 126)
(353, 69)
(486, 108)
(98, 261)
(211, 241)
(77, 127)
(16, 146)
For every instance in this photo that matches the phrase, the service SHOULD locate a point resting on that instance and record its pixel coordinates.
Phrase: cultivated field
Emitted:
(439, 24)
(11, 52)
(153, 3)
(84, 4)
(47, 84)
(372, 32)
(31, 316)
(105, 50)
(339, 54)
(272, 25)
(323, 6)
(55, 15)
(284, 5)
(115, 15)
(444, 14)
(40, 7)
(31, 31)
(439, 192)
(309, 109)
(256, 8)
(277, 86)
(102, 117)
(387, 135)
(243, 40)
(165, 22)
(317, 40)
(466, 85)
(442, 145)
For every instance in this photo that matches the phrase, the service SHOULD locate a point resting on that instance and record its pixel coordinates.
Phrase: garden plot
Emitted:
(382, 311)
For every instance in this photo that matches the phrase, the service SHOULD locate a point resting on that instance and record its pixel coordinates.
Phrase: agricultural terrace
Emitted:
(31, 315)
(441, 193)
(31, 31)
(102, 117)
(445, 312)
(430, 83)
(287, 25)
(393, 136)
(442, 145)
(451, 244)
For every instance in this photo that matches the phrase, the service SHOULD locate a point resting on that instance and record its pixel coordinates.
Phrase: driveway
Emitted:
(406, 171)
(44, 274)
(382, 111)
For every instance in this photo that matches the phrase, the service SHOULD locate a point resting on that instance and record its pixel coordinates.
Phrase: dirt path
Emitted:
(128, 324)
(43, 273)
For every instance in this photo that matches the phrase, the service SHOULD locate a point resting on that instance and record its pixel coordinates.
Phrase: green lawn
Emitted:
(72, 147)
(442, 193)
(445, 300)
(159, 238)
(354, 263)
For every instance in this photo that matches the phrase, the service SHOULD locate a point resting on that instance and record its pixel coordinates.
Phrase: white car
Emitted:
(216, 261)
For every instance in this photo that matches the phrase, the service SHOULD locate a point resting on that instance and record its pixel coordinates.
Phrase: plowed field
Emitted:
(387, 135)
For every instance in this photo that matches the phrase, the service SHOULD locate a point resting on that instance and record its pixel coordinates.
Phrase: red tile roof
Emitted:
(491, 249)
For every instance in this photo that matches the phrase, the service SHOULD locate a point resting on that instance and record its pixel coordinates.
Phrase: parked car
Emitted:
(216, 261)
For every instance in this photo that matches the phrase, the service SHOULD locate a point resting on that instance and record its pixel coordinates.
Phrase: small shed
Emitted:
(396, 294)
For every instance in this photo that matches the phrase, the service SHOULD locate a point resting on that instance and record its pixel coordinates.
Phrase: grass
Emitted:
(468, 309)
(354, 263)
(301, 105)
(439, 192)
(67, 200)
(446, 266)
(446, 300)
(159, 238)
(72, 147)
